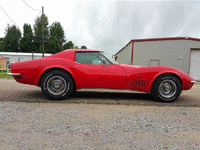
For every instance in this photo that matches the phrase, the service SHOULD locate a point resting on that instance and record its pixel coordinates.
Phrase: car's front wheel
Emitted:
(166, 88)
(56, 85)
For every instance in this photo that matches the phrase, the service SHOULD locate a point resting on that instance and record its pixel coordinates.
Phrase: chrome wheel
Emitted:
(57, 85)
(167, 88)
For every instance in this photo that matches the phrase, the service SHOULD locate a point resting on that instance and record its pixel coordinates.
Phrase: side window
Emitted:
(93, 58)
(87, 58)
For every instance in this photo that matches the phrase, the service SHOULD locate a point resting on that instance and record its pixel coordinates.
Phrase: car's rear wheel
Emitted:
(57, 85)
(166, 88)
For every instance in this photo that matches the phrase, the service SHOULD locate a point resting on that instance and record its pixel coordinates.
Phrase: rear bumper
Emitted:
(13, 74)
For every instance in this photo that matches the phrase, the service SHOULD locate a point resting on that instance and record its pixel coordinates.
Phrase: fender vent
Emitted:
(137, 82)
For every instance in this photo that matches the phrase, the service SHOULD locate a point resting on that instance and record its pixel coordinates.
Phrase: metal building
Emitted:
(178, 52)
(19, 57)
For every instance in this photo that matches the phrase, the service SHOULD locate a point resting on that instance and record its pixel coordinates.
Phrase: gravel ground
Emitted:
(94, 126)
(96, 120)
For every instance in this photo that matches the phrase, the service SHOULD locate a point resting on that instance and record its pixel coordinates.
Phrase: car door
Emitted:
(91, 71)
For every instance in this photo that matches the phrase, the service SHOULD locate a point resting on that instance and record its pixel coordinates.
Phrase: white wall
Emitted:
(124, 56)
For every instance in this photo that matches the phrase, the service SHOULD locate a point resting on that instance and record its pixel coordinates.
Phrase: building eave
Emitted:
(163, 39)
(158, 39)
(23, 54)
(123, 47)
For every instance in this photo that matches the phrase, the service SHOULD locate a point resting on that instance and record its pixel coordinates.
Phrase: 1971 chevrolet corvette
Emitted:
(60, 74)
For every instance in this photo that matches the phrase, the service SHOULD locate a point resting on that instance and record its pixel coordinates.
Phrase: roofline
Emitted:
(159, 39)
(24, 54)
(123, 47)
(163, 39)
(81, 50)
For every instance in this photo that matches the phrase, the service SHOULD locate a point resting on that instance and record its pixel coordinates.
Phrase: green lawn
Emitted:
(4, 75)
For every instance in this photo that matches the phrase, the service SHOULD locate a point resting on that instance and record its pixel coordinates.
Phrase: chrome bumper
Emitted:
(13, 74)
(193, 82)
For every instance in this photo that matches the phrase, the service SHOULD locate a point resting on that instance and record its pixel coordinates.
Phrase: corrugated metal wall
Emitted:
(174, 53)
(124, 56)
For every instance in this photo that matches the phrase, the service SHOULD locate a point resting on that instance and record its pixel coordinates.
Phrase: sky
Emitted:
(107, 25)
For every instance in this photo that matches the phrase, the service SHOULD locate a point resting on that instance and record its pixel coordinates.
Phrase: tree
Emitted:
(57, 36)
(57, 31)
(27, 41)
(83, 47)
(68, 45)
(53, 45)
(76, 47)
(38, 32)
(1, 44)
(12, 39)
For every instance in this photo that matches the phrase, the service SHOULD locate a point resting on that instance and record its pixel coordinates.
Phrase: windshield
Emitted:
(110, 59)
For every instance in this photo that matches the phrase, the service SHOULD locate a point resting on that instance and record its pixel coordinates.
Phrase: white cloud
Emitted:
(109, 25)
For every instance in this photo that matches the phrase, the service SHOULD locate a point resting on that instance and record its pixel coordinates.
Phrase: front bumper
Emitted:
(193, 82)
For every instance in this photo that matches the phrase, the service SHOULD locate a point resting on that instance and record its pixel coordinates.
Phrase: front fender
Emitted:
(163, 73)
(146, 76)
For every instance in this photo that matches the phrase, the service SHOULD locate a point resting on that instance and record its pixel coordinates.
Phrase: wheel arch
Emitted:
(163, 75)
(51, 69)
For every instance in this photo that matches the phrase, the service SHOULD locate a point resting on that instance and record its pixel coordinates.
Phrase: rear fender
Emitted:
(44, 71)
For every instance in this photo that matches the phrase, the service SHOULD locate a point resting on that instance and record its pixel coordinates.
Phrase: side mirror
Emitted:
(105, 62)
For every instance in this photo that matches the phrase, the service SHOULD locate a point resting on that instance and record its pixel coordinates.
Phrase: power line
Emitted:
(38, 15)
(8, 16)
(30, 7)
(14, 13)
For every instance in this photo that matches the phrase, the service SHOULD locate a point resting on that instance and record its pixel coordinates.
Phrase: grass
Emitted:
(3, 74)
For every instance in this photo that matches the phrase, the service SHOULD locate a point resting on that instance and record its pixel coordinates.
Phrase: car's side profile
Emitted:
(60, 74)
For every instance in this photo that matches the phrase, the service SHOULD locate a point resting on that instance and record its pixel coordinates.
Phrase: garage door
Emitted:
(195, 64)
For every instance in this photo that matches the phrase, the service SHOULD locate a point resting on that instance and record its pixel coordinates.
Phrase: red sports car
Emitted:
(60, 74)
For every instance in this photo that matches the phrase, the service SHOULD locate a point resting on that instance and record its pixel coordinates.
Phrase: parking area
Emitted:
(96, 119)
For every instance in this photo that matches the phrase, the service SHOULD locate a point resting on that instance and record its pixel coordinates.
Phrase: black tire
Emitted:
(57, 85)
(166, 88)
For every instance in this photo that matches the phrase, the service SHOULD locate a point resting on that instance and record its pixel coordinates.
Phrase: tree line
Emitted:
(31, 41)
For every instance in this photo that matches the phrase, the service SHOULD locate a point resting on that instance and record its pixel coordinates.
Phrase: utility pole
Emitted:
(42, 31)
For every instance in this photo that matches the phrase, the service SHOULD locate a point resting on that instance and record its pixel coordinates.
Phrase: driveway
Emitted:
(87, 120)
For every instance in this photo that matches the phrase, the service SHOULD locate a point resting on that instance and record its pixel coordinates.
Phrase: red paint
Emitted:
(132, 53)
(113, 76)
(99, 76)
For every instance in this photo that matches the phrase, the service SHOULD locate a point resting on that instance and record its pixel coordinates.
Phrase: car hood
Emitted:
(153, 68)
(130, 66)
(136, 69)
(154, 71)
